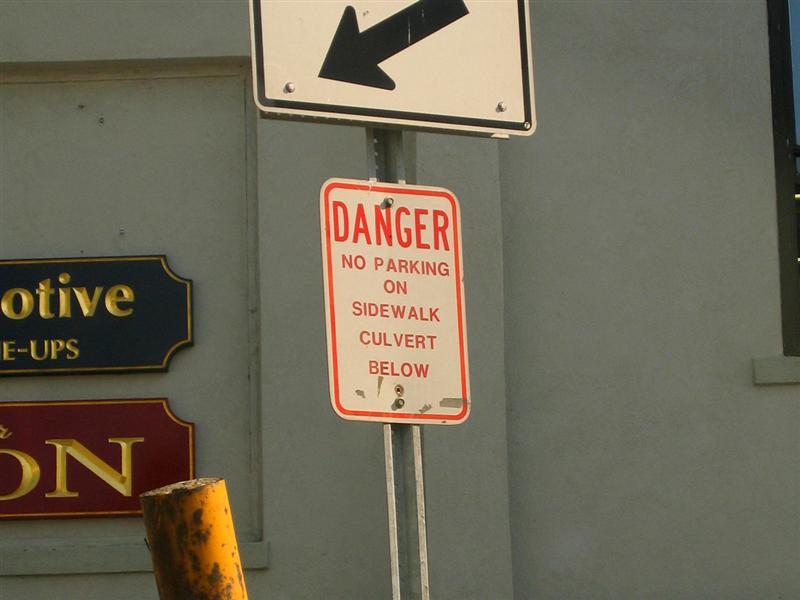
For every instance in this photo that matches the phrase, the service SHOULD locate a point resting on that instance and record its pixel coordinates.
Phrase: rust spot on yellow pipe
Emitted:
(192, 541)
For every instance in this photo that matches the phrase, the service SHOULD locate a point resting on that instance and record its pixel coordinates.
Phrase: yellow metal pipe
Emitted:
(192, 542)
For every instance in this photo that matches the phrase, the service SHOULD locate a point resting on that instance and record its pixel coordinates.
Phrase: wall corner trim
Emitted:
(105, 556)
(773, 370)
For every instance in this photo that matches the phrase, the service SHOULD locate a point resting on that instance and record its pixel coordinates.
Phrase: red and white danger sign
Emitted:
(394, 299)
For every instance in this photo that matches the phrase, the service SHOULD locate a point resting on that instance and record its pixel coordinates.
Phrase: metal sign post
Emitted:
(397, 348)
(402, 444)
(405, 491)
(442, 65)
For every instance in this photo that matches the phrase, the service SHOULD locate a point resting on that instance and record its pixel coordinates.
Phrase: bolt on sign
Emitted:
(463, 65)
(92, 315)
(88, 458)
(394, 300)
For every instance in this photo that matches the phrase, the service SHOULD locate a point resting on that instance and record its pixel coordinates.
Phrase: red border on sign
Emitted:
(408, 191)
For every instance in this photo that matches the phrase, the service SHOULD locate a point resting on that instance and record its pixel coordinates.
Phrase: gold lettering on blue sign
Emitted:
(50, 302)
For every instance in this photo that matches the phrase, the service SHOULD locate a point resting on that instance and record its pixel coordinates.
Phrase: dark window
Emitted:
(784, 46)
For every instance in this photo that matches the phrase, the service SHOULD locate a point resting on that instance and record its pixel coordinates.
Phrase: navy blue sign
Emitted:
(92, 315)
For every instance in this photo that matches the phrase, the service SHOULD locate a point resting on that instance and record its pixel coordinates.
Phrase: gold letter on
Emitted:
(117, 294)
(7, 304)
(88, 305)
(30, 474)
(122, 480)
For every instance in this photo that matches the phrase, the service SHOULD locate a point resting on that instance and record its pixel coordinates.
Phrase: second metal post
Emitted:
(405, 482)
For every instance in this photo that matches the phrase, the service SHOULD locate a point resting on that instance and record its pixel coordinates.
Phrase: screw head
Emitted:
(398, 389)
(501, 107)
(289, 87)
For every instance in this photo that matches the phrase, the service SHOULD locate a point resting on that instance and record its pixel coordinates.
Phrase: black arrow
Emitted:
(353, 56)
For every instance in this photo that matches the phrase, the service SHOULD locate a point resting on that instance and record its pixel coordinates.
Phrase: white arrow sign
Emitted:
(432, 64)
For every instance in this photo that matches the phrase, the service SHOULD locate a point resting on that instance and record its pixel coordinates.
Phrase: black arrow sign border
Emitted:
(350, 113)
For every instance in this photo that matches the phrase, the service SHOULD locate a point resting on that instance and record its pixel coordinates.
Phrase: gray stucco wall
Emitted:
(181, 163)
(641, 278)
(621, 274)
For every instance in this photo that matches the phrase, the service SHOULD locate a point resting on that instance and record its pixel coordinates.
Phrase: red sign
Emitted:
(88, 458)
(394, 296)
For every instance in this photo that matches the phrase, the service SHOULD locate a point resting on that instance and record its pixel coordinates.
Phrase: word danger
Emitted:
(419, 228)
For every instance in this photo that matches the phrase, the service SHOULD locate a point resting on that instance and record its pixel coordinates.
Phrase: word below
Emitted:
(393, 369)
(395, 311)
